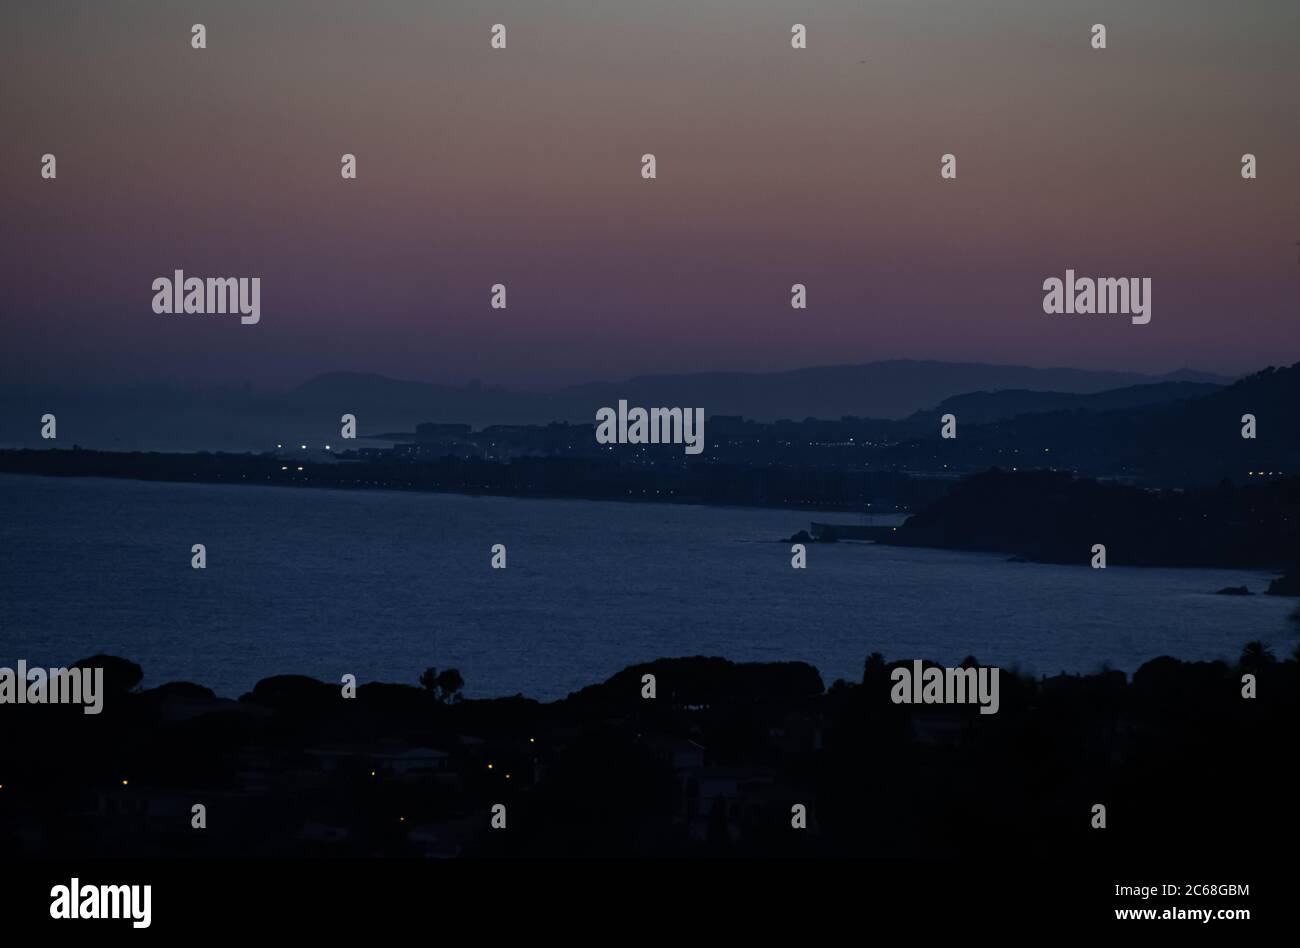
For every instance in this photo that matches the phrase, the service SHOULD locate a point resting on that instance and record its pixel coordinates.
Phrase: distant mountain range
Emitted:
(1170, 433)
(979, 408)
(887, 390)
(185, 419)
(1165, 434)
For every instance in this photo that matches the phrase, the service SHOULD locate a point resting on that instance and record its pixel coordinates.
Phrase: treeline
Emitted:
(1181, 758)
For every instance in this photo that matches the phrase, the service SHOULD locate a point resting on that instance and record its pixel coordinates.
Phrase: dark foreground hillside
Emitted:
(1183, 763)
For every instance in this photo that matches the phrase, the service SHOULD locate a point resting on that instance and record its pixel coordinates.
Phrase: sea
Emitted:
(383, 584)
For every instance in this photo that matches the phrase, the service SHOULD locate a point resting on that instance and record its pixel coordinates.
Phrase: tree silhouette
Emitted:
(1256, 656)
(120, 676)
(445, 686)
(449, 685)
(874, 668)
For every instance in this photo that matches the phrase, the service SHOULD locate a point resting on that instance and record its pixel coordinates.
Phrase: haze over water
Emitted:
(383, 584)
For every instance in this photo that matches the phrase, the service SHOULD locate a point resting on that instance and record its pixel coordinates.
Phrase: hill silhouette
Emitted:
(146, 416)
(985, 407)
(1170, 440)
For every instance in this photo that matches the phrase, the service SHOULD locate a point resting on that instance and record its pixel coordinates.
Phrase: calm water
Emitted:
(384, 584)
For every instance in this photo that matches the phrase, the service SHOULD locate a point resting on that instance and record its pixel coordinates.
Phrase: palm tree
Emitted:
(1256, 656)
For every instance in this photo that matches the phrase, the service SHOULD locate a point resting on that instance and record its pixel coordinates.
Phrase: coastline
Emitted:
(265, 471)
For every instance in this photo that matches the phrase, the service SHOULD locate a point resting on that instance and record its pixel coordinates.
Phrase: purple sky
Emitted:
(522, 166)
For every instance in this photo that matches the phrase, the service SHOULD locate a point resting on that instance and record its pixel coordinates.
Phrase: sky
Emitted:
(522, 166)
